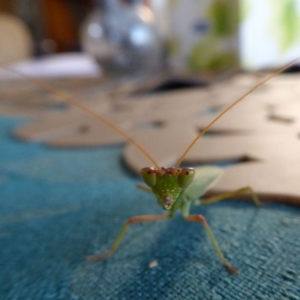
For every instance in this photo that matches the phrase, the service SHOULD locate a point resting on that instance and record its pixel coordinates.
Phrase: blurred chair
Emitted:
(15, 39)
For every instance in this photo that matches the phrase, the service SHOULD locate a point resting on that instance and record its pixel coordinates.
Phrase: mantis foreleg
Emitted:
(228, 195)
(144, 188)
(136, 219)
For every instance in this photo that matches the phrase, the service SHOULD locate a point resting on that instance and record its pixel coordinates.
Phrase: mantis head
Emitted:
(168, 184)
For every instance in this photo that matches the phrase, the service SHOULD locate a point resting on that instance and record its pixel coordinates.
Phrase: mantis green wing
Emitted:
(205, 178)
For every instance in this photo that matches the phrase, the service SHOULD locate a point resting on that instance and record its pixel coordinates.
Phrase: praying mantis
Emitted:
(174, 188)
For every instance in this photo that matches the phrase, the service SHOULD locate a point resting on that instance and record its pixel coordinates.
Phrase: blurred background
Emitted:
(185, 37)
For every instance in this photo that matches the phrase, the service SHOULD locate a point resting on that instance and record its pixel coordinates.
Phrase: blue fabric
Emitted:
(57, 206)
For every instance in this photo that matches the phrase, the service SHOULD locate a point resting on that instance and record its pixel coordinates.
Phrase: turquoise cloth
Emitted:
(57, 206)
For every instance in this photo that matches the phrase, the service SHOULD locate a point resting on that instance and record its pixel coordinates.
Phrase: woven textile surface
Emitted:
(58, 205)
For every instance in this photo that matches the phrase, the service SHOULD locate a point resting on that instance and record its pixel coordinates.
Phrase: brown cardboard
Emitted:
(264, 128)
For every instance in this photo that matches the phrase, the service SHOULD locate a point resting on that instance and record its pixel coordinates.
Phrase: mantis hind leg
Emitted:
(228, 195)
(202, 220)
(136, 219)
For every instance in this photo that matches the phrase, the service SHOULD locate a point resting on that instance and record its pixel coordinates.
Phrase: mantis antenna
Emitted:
(74, 102)
(69, 99)
(229, 107)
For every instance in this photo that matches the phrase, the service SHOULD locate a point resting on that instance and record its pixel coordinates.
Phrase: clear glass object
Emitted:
(123, 38)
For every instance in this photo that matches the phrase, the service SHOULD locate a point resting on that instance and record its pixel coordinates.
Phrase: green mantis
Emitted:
(174, 188)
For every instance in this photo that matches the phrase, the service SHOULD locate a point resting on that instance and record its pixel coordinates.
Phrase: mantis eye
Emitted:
(149, 176)
(186, 177)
